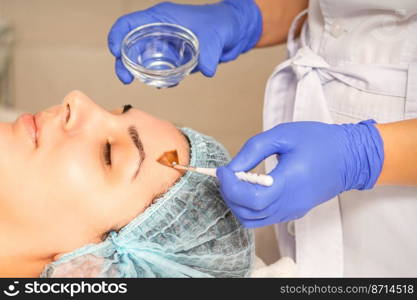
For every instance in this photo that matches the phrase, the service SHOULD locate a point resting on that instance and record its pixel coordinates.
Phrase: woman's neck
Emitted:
(18, 267)
(17, 259)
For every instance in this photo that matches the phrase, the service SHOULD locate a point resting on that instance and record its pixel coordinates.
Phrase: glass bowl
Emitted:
(160, 54)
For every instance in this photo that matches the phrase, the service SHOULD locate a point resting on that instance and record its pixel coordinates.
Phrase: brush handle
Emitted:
(261, 179)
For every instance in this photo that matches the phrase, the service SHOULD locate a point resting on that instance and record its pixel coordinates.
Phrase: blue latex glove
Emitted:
(224, 30)
(317, 161)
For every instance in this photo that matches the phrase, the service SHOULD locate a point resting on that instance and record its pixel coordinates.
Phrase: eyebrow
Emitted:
(134, 135)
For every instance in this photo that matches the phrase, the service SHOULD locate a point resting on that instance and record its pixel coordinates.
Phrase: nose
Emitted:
(78, 110)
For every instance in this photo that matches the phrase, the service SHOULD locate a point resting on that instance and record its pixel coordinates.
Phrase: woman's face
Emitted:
(87, 171)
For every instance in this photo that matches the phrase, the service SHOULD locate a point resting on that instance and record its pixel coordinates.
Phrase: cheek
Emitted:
(85, 186)
(68, 181)
(76, 202)
(70, 167)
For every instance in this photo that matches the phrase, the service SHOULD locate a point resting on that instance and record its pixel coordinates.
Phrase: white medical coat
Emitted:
(355, 60)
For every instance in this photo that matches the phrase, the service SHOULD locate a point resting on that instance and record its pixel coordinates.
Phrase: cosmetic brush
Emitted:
(170, 159)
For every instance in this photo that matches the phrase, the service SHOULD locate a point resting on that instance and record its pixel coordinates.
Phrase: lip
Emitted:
(29, 121)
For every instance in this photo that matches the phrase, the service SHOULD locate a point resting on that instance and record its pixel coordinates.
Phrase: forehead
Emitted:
(135, 113)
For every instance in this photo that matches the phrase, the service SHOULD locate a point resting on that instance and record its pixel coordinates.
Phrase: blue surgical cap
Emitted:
(187, 232)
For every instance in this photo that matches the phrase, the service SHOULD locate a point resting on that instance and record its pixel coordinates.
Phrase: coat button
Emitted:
(336, 29)
(291, 228)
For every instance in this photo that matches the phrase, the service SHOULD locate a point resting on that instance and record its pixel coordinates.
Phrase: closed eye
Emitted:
(107, 153)
(107, 146)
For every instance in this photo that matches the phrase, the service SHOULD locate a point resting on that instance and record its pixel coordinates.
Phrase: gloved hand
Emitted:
(317, 161)
(224, 30)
